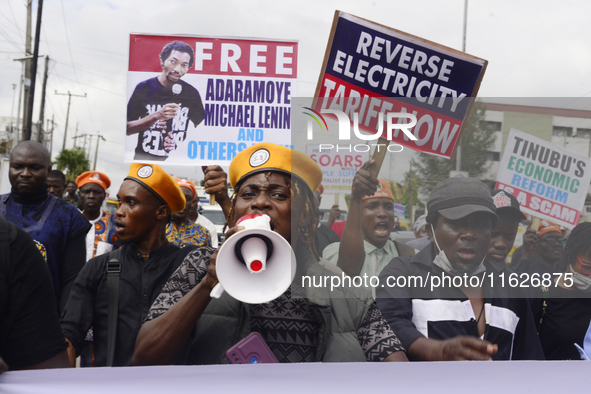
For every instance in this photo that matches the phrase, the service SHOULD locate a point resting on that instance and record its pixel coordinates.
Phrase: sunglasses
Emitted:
(552, 241)
(585, 267)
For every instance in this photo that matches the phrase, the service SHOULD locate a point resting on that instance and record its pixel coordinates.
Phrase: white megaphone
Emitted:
(255, 265)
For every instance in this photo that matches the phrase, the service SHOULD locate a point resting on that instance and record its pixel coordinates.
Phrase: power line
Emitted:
(73, 66)
(92, 86)
(68, 113)
(15, 22)
(11, 41)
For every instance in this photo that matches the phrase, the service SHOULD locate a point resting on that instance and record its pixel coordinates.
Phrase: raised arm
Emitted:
(351, 250)
(160, 341)
(216, 183)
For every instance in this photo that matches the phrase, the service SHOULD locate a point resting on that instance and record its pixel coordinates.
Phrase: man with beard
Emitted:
(180, 230)
(58, 228)
(160, 108)
(148, 196)
(365, 247)
(504, 234)
(313, 324)
(468, 314)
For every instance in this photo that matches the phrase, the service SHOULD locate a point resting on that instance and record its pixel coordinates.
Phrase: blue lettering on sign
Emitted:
(192, 151)
(547, 191)
(202, 145)
(214, 150)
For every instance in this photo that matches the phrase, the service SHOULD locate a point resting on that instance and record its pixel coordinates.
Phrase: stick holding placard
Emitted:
(378, 155)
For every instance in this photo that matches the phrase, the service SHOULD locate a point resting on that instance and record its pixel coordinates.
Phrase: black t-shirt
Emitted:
(565, 322)
(29, 327)
(148, 97)
(140, 282)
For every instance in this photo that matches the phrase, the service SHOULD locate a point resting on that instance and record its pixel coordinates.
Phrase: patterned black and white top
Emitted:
(286, 323)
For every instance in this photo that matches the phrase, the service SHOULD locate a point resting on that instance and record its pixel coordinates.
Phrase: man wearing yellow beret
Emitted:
(305, 324)
(180, 230)
(101, 238)
(133, 274)
(365, 247)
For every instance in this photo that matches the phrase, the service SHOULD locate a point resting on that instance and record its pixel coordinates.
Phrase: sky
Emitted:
(536, 48)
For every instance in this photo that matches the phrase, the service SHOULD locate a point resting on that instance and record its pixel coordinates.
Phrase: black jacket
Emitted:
(445, 312)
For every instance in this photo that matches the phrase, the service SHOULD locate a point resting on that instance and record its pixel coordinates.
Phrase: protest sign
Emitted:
(399, 209)
(208, 98)
(549, 182)
(338, 167)
(371, 70)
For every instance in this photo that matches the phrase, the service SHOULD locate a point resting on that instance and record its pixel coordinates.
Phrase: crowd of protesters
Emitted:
(133, 287)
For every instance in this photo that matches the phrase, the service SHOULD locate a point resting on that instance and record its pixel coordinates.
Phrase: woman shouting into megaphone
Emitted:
(187, 326)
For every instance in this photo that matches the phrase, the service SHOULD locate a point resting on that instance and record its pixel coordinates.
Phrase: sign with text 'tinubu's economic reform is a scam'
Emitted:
(549, 182)
(371, 70)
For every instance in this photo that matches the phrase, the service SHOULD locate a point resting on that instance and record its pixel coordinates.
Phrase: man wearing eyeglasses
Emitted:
(542, 251)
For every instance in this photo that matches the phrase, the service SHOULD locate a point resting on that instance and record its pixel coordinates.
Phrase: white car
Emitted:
(216, 215)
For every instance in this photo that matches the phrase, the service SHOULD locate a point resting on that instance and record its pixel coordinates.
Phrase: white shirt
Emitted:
(208, 224)
(90, 238)
(101, 247)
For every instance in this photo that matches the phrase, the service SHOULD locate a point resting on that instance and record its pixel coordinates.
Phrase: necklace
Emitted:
(480, 315)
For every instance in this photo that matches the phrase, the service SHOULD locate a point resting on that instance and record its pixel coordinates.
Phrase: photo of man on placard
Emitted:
(160, 108)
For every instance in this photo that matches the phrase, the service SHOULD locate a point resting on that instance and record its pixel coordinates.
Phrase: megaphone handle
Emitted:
(217, 291)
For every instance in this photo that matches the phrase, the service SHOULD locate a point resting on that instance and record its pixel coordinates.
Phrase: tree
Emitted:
(476, 143)
(402, 194)
(72, 162)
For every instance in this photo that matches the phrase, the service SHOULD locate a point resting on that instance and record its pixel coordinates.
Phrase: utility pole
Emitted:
(27, 73)
(84, 147)
(42, 109)
(98, 139)
(12, 111)
(75, 134)
(29, 117)
(459, 150)
(89, 145)
(75, 138)
(52, 135)
(23, 60)
(411, 213)
(68, 112)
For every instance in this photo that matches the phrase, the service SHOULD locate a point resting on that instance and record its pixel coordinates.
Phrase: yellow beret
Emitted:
(188, 184)
(159, 183)
(271, 157)
(384, 190)
(93, 177)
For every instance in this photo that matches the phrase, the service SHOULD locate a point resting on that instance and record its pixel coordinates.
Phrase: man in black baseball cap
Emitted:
(504, 234)
(452, 305)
